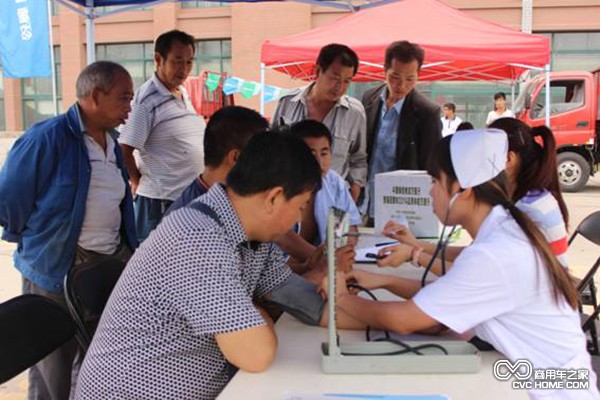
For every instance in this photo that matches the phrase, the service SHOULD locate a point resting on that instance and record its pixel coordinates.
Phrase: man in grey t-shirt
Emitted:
(162, 138)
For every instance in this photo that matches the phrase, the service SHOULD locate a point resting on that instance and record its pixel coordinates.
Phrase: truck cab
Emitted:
(573, 118)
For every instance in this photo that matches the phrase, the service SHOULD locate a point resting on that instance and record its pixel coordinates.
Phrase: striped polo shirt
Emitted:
(542, 208)
(168, 137)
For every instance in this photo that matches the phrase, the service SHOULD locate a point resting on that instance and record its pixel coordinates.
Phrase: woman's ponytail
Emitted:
(560, 279)
(547, 170)
(538, 169)
(495, 192)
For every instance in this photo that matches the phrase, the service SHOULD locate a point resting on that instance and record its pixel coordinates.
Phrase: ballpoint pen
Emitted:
(358, 234)
(386, 243)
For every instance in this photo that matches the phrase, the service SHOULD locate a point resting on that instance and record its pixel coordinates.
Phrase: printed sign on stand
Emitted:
(403, 196)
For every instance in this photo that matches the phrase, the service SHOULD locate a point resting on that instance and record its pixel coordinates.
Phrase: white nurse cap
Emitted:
(478, 155)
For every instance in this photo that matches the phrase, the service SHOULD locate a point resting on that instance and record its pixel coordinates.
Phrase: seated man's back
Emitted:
(181, 287)
(184, 305)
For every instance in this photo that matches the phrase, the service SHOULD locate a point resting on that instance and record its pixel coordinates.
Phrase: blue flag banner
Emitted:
(232, 85)
(24, 43)
(271, 93)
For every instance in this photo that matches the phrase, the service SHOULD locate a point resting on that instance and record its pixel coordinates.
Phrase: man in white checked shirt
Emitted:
(162, 140)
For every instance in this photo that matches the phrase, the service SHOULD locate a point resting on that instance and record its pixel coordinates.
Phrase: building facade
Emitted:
(230, 37)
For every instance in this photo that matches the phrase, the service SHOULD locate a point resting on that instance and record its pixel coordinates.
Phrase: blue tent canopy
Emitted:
(346, 4)
(90, 12)
(103, 3)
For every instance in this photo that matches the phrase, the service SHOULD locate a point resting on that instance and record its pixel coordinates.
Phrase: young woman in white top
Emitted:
(500, 110)
(532, 184)
(507, 286)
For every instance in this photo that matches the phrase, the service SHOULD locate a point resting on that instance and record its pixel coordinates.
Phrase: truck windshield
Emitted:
(525, 92)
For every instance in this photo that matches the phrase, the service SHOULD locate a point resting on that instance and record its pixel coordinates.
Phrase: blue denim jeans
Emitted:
(148, 214)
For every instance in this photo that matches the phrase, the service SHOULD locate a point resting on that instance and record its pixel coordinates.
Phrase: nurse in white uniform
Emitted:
(507, 286)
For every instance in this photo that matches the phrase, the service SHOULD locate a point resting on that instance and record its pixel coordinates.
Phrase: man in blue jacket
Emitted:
(65, 200)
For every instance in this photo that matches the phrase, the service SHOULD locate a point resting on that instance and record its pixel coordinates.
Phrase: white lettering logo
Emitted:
(520, 369)
(25, 23)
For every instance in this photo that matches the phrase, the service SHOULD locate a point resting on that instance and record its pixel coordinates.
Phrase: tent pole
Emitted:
(89, 35)
(52, 63)
(547, 73)
(526, 16)
(262, 91)
(512, 94)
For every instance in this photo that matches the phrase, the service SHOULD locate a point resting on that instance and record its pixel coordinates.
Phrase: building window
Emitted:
(213, 55)
(105, 9)
(202, 4)
(575, 50)
(2, 117)
(53, 8)
(473, 100)
(37, 95)
(137, 58)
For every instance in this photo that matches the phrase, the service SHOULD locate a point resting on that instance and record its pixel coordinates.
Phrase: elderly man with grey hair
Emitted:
(65, 199)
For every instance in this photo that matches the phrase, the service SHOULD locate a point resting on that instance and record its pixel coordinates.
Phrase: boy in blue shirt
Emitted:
(334, 191)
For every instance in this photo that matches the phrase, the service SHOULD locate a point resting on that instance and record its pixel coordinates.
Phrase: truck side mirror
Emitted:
(527, 101)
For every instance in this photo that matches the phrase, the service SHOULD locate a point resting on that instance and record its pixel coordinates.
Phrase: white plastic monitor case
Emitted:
(368, 357)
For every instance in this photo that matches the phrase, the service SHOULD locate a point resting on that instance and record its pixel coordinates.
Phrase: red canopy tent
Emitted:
(457, 45)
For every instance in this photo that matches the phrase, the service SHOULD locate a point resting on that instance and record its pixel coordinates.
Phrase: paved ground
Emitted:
(581, 256)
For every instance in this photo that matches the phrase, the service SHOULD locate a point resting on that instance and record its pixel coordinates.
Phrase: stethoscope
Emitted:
(442, 242)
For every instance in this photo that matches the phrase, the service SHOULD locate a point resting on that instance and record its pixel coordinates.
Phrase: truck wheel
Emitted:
(573, 171)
